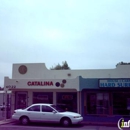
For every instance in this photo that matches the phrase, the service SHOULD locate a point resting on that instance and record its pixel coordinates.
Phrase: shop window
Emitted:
(43, 97)
(67, 101)
(97, 103)
(121, 103)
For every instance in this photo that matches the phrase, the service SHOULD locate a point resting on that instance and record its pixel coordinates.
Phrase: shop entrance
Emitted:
(67, 101)
(42, 97)
(20, 100)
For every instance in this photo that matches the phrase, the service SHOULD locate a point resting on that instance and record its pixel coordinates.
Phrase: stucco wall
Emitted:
(39, 70)
(23, 83)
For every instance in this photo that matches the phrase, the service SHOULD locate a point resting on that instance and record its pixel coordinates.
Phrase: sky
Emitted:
(88, 34)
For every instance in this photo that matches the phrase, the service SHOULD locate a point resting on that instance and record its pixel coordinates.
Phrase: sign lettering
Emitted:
(67, 97)
(40, 83)
(11, 87)
(114, 83)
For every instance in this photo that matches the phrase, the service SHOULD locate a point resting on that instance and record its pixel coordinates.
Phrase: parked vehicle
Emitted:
(46, 113)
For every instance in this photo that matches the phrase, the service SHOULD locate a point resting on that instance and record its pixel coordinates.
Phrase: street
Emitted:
(41, 126)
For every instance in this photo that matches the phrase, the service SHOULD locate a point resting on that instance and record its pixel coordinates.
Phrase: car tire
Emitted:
(24, 120)
(66, 122)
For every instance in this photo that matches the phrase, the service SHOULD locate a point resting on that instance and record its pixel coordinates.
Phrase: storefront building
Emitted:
(105, 100)
(31, 83)
(63, 92)
(99, 95)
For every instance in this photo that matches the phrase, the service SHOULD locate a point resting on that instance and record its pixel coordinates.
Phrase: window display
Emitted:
(42, 97)
(67, 101)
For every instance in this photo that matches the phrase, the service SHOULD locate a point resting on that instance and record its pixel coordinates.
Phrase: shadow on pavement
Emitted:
(49, 125)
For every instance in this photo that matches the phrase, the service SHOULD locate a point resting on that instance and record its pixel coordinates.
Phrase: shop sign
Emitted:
(11, 87)
(67, 97)
(42, 97)
(114, 83)
(40, 83)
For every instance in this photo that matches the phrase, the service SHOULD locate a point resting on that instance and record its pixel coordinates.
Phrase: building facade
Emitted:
(105, 99)
(99, 93)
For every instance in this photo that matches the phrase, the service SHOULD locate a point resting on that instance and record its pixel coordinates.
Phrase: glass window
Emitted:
(42, 97)
(91, 103)
(21, 100)
(97, 103)
(47, 109)
(67, 101)
(121, 105)
(34, 108)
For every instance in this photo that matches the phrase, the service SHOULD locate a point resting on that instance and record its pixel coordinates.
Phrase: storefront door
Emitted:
(21, 100)
(67, 101)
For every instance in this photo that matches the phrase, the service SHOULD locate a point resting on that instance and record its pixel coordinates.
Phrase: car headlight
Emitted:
(77, 116)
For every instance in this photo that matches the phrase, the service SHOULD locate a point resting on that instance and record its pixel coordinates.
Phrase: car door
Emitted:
(34, 113)
(48, 114)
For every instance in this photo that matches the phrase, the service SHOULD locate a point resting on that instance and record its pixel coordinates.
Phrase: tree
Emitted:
(122, 63)
(64, 66)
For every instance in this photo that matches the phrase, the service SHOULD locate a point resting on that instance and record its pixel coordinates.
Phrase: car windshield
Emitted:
(58, 108)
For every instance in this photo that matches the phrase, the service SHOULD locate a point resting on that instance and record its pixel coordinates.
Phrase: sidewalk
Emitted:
(7, 121)
(2, 122)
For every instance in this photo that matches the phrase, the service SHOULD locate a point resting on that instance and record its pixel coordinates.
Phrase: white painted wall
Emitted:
(22, 83)
(39, 71)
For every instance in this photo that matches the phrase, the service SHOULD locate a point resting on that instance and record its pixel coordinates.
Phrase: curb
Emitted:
(99, 123)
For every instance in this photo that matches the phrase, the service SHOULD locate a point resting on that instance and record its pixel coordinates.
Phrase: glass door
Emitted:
(98, 103)
(21, 100)
(102, 103)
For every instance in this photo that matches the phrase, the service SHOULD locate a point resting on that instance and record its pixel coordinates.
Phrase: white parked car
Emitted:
(46, 113)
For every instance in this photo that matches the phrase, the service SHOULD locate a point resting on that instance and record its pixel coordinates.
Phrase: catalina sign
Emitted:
(114, 83)
(40, 83)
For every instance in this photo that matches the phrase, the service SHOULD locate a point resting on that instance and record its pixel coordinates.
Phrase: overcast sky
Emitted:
(88, 34)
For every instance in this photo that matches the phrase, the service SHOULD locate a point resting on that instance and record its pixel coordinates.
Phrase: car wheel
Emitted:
(24, 120)
(66, 122)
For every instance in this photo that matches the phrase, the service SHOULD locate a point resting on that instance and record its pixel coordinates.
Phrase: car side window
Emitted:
(34, 108)
(47, 109)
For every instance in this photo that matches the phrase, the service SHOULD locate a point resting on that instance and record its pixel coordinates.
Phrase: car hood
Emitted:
(19, 110)
(71, 113)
